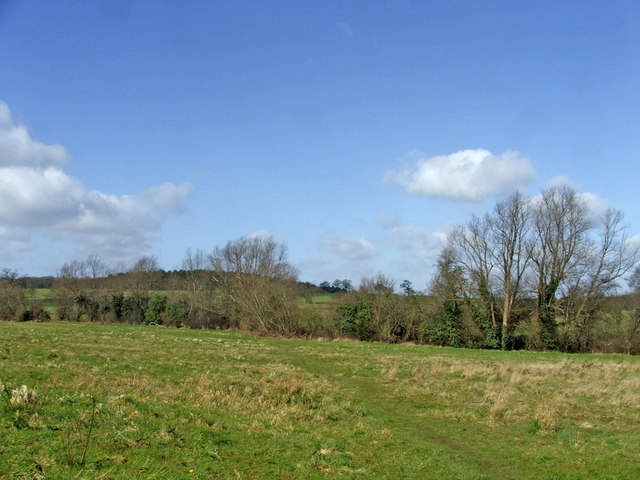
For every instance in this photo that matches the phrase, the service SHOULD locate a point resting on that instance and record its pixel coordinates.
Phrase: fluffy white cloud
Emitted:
(349, 248)
(467, 175)
(38, 197)
(18, 148)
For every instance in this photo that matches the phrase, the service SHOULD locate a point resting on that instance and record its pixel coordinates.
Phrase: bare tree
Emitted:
(509, 228)
(378, 284)
(195, 264)
(72, 286)
(560, 227)
(257, 282)
(95, 268)
(471, 248)
(12, 298)
(141, 279)
(71, 276)
(607, 258)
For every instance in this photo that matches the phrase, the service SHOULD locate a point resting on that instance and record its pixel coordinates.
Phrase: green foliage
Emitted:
(32, 314)
(483, 317)
(156, 306)
(26, 315)
(134, 309)
(444, 328)
(116, 307)
(176, 314)
(357, 320)
(87, 306)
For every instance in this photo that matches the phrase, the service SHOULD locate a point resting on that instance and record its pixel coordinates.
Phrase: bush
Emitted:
(357, 320)
(116, 307)
(32, 314)
(155, 310)
(176, 314)
(26, 315)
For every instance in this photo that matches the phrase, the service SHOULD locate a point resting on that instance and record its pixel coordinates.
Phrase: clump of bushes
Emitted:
(32, 314)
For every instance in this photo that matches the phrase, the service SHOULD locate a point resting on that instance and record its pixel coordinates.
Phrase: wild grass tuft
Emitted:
(546, 417)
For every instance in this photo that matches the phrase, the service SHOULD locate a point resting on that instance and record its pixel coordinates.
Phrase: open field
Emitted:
(177, 403)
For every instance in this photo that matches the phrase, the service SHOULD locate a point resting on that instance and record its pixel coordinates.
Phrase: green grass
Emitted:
(190, 404)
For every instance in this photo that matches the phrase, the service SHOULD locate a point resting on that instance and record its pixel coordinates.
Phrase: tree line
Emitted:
(535, 272)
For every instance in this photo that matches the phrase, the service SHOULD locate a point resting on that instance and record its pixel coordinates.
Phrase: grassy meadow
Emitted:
(122, 401)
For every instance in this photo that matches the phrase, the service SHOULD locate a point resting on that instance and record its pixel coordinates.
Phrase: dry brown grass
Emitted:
(276, 393)
(547, 416)
(546, 393)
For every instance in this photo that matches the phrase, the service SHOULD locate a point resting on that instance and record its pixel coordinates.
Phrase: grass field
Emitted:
(190, 404)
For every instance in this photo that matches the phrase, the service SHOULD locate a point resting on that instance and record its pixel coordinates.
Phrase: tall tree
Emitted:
(472, 250)
(449, 285)
(509, 228)
(560, 237)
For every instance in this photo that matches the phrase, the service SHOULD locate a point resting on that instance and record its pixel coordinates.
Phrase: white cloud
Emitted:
(562, 181)
(38, 197)
(260, 234)
(597, 205)
(418, 241)
(18, 148)
(349, 248)
(467, 175)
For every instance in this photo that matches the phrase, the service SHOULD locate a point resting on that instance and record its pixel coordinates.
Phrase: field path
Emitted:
(441, 442)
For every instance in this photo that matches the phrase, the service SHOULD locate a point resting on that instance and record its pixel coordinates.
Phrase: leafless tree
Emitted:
(378, 284)
(257, 282)
(141, 279)
(554, 244)
(561, 224)
(509, 229)
(12, 297)
(607, 257)
(471, 248)
(71, 278)
(195, 264)
(95, 268)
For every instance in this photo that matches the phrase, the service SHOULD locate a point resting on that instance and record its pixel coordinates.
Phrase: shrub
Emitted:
(357, 320)
(176, 314)
(26, 315)
(155, 309)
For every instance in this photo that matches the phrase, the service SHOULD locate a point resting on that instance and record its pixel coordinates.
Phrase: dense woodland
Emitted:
(542, 273)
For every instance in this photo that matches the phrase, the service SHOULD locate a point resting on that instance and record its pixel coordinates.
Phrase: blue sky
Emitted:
(357, 132)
